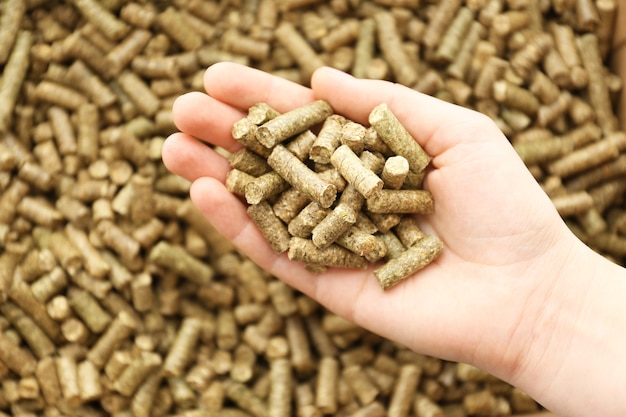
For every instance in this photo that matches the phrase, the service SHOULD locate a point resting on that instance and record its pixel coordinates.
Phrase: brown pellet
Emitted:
(361, 243)
(246, 399)
(60, 95)
(584, 158)
(571, 204)
(46, 375)
(174, 26)
(282, 298)
(67, 370)
(394, 246)
(414, 258)
(299, 345)
(597, 88)
(118, 240)
(440, 20)
(390, 43)
(395, 171)
(227, 334)
(295, 172)
(89, 310)
(328, 139)
(451, 42)
(335, 224)
(139, 93)
(289, 204)
(119, 330)
(408, 231)
(293, 122)
(401, 201)
(235, 42)
(179, 260)
(122, 53)
(92, 259)
(264, 187)
(270, 226)
(21, 294)
(403, 393)
(384, 221)
(425, 407)
(460, 66)
(244, 359)
(36, 339)
(281, 390)
(304, 222)
(304, 401)
(353, 170)
(249, 162)
(131, 378)
(326, 388)
(398, 138)
(364, 48)
(305, 250)
(89, 381)
(515, 97)
(557, 69)
(602, 173)
(366, 392)
(49, 284)
(102, 18)
(479, 402)
(182, 347)
(298, 47)
(36, 263)
(10, 24)
(15, 68)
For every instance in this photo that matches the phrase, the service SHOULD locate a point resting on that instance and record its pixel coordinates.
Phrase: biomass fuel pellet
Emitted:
(413, 259)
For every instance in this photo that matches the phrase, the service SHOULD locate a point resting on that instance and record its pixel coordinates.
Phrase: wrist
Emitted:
(576, 342)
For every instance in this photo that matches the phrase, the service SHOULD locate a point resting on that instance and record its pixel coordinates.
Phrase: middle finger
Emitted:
(206, 118)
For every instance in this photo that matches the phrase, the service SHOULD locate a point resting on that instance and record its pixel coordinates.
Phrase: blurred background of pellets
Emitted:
(118, 299)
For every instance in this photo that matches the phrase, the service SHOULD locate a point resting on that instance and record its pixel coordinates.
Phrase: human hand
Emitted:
(505, 244)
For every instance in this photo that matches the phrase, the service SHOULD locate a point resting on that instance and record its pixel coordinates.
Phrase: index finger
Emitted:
(241, 87)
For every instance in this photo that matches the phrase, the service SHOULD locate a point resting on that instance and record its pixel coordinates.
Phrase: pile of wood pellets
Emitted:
(331, 215)
(117, 298)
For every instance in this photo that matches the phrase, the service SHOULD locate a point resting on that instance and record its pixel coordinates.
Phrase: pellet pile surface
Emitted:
(118, 298)
(332, 199)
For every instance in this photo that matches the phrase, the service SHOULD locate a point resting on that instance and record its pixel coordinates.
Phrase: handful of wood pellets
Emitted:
(345, 197)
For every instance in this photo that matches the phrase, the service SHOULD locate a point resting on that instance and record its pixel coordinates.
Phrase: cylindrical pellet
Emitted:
(301, 177)
(354, 171)
(305, 250)
(326, 388)
(293, 122)
(270, 226)
(280, 397)
(182, 347)
(414, 258)
(401, 201)
(398, 138)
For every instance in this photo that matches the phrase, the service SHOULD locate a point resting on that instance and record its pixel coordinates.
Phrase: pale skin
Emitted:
(514, 291)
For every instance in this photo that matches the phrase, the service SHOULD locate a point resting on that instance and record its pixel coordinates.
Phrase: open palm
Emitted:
(500, 231)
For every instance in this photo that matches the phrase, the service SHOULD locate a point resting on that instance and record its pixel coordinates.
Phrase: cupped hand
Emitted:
(504, 241)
